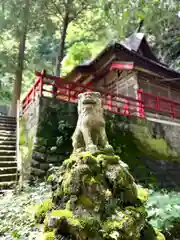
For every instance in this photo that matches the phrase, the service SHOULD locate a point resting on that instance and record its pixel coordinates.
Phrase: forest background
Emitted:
(57, 35)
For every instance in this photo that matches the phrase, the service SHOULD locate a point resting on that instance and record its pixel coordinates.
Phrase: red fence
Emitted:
(47, 85)
(159, 105)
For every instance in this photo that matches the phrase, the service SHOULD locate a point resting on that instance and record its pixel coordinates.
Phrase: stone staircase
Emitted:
(8, 164)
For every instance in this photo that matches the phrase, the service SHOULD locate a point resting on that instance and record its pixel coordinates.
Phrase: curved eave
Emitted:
(114, 52)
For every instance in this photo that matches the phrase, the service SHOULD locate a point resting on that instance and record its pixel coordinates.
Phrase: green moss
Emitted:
(49, 236)
(51, 178)
(62, 213)
(111, 225)
(69, 162)
(67, 182)
(22, 131)
(159, 235)
(105, 159)
(137, 210)
(68, 205)
(42, 210)
(83, 155)
(45, 227)
(88, 158)
(90, 225)
(142, 193)
(68, 215)
(124, 224)
(91, 179)
(155, 147)
(85, 201)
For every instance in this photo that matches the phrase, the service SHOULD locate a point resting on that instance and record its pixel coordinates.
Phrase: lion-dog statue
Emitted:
(90, 134)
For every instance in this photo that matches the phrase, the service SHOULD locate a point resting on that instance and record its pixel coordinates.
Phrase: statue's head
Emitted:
(88, 99)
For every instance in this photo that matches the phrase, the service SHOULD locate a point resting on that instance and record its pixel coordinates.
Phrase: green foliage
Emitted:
(56, 126)
(134, 142)
(142, 193)
(96, 200)
(42, 209)
(17, 212)
(154, 147)
(62, 213)
(164, 212)
(90, 225)
(48, 236)
(91, 25)
(85, 201)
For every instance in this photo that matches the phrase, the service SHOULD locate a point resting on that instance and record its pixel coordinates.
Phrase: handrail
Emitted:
(161, 98)
(160, 104)
(66, 91)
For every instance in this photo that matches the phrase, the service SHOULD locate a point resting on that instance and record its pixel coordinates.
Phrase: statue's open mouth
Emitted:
(89, 101)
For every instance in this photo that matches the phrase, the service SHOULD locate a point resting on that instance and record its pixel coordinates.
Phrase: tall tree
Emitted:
(21, 35)
(67, 11)
(19, 19)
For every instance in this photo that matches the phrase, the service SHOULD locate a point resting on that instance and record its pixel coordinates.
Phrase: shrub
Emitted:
(164, 212)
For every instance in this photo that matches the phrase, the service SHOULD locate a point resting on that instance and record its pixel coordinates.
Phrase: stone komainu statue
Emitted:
(90, 134)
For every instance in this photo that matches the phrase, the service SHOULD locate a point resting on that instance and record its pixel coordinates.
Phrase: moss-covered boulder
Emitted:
(95, 197)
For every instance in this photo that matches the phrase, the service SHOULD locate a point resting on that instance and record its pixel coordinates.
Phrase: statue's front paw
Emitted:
(92, 148)
(109, 148)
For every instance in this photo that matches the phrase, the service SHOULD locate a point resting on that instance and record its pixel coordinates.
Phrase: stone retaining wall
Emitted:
(49, 124)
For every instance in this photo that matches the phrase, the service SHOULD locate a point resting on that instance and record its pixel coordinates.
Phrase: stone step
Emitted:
(7, 138)
(7, 144)
(8, 164)
(7, 119)
(7, 153)
(7, 170)
(8, 128)
(7, 185)
(8, 177)
(7, 158)
(7, 133)
(9, 123)
(4, 192)
(8, 147)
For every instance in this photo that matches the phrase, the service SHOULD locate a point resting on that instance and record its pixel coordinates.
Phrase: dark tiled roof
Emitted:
(131, 47)
(137, 42)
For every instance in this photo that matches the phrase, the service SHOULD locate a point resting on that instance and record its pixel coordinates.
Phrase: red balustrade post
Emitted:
(110, 104)
(126, 108)
(140, 108)
(172, 111)
(157, 103)
(68, 92)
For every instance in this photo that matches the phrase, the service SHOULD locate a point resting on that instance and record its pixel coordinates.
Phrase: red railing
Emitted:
(161, 105)
(119, 104)
(47, 85)
(34, 92)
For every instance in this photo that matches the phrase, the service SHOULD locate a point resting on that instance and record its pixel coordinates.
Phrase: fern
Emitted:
(163, 209)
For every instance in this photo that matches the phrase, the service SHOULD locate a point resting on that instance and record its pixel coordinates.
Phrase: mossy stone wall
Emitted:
(148, 148)
(28, 129)
(152, 160)
(52, 143)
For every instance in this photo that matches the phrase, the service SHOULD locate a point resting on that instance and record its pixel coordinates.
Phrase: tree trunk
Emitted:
(20, 60)
(60, 54)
